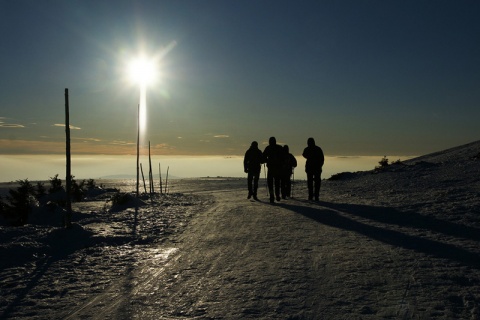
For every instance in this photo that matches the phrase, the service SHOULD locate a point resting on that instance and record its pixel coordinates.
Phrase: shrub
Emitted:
(55, 184)
(77, 189)
(120, 198)
(90, 184)
(21, 202)
(3, 207)
(384, 162)
(40, 190)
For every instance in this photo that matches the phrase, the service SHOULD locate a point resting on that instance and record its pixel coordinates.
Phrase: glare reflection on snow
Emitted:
(162, 253)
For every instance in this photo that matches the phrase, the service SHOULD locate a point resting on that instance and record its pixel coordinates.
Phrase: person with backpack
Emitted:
(289, 164)
(313, 168)
(252, 165)
(273, 155)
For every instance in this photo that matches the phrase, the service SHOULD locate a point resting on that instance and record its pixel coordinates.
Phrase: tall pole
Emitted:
(138, 149)
(166, 181)
(160, 175)
(68, 218)
(150, 172)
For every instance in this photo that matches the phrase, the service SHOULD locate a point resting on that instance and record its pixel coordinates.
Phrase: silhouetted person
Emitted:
(289, 163)
(313, 168)
(273, 155)
(252, 164)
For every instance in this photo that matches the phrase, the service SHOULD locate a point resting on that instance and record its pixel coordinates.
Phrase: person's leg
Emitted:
(277, 186)
(283, 186)
(255, 184)
(318, 182)
(310, 185)
(249, 181)
(270, 185)
(288, 185)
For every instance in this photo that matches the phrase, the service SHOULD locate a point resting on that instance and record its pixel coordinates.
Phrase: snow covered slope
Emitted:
(444, 184)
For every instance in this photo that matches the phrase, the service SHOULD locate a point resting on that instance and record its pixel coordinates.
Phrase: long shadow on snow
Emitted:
(407, 219)
(60, 247)
(438, 249)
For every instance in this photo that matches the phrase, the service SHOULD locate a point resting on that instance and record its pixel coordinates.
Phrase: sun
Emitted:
(142, 71)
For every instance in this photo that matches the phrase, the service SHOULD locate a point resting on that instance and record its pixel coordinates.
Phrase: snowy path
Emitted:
(402, 243)
(243, 259)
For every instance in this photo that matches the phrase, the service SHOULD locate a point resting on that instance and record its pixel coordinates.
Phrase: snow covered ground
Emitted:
(397, 243)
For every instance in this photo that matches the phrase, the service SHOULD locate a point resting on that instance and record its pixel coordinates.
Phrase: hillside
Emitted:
(397, 243)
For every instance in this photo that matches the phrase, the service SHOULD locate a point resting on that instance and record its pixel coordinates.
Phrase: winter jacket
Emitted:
(274, 156)
(315, 159)
(253, 160)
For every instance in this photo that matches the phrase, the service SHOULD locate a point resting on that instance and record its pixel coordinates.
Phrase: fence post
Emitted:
(68, 218)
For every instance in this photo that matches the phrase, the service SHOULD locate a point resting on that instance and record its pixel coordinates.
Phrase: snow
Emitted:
(396, 243)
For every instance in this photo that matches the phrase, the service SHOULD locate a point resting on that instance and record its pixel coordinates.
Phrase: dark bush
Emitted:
(120, 198)
(21, 202)
(55, 184)
(77, 191)
(91, 184)
(40, 190)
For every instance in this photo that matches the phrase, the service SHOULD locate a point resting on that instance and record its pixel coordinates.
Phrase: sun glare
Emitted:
(142, 71)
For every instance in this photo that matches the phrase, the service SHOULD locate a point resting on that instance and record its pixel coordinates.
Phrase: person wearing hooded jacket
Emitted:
(252, 165)
(289, 164)
(313, 168)
(273, 155)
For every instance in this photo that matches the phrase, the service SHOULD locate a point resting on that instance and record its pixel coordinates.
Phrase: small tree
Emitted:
(384, 162)
(21, 201)
(55, 184)
(40, 190)
(90, 184)
(77, 189)
(3, 207)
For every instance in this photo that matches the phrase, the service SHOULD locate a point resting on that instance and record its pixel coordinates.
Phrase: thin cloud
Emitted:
(11, 125)
(121, 143)
(88, 139)
(221, 136)
(31, 147)
(62, 125)
(163, 146)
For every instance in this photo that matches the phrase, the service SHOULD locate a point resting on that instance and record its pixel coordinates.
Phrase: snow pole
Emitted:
(138, 148)
(160, 175)
(143, 178)
(150, 173)
(68, 217)
(166, 181)
(266, 182)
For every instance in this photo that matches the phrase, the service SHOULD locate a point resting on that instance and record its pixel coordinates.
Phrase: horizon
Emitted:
(362, 78)
(43, 167)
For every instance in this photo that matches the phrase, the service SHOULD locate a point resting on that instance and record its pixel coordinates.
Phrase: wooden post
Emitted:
(143, 178)
(138, 148)
(68, 217)
(150, 173)
(166, 181)
(160, 174)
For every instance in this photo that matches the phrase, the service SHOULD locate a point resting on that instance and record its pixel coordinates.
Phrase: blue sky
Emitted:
(361, 77)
